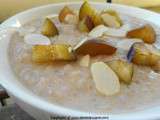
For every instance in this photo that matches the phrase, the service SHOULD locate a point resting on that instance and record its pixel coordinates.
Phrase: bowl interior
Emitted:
(14, 87)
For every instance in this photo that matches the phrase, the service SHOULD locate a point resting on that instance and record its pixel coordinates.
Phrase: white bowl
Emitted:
(39, 108)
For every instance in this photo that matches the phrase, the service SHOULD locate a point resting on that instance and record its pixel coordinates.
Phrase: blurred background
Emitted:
(11, 7)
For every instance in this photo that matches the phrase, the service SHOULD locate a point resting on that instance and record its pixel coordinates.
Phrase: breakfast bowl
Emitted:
(77, 90)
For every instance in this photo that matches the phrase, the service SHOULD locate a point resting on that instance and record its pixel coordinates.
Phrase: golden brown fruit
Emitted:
(47, 53)
(87, 10)
(145, 54)
(86, 25)
(146, 33)
(42, 53)
(97, 20)
(95, 47)
(156, 67)
(64, 12)
(123, 69)
(49, 29)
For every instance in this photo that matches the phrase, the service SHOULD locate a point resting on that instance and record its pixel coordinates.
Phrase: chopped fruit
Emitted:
(64, 12)
(123, 69)
(113, 13)
(156, 67)
(36, 39)
(49, 29)
(98, 31)
(143, 54)
(95, 47)
(97, 20)
(84, 61)
(106, 81)
(86, 24)
(110, 20)
(42, 53)
(146, 33)
(71, 19)
(47, 53)
(87, 10)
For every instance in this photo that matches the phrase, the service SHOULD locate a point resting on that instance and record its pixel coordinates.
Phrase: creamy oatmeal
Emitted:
(70, 84)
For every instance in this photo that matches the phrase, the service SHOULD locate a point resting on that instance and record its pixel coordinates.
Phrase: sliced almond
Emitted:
(84, 61)
(98, 31)
(120, 32)
(110, 20)
(36, 39)
(106, 81)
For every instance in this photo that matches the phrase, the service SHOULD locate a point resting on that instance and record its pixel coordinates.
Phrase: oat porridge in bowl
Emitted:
(100, 61)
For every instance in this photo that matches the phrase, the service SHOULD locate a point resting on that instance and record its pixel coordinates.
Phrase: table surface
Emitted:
(12, 111)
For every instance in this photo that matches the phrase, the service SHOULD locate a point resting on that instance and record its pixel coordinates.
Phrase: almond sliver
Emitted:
(106, 81)
(98, 31)
(36, 39)
(84, 61)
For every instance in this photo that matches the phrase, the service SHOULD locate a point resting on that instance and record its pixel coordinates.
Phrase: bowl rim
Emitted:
(51, 108)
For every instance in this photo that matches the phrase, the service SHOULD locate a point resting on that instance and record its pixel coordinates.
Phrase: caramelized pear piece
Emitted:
(97, 20)
(42, 53)
(146, 33)
(86, 24)
(49, 29)
(105, 79)
(64, 12)
(156, 67)
(47, 53)
(95, 47)
(87, 10)
(143, 54)
(123, 69)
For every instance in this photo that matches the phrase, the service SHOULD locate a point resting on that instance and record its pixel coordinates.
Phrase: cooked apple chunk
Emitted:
(42, 53)
(87, 10)
(97, 20)
(47, 53)
(86, 24)
(95, 47)
(64, 12)
(49, 29)
(146, 33)
(123, 69)
(143, 54)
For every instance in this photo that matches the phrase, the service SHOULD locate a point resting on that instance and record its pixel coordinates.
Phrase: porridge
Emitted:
(101, 62)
